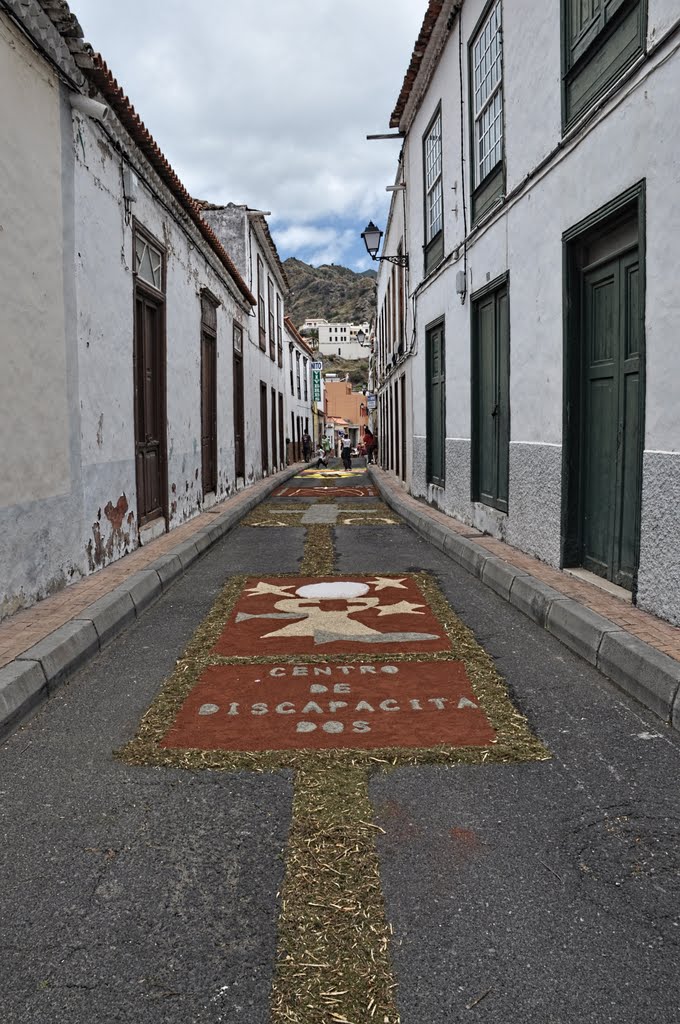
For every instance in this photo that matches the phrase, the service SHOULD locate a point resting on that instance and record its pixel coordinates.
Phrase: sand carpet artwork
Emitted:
(271, 513)
(275, 616)
(340, 491)
(329, 474)
(356, 705)
(274, 513)
(334, 677)
(285, 667)
(368, 515)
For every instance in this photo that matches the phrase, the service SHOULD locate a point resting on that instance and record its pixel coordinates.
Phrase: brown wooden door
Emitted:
(239, 419)
(149, 405)
(209, 411)
(275, 456)
(397, 432)
(282, 446)
(263, 427)
(402, 407)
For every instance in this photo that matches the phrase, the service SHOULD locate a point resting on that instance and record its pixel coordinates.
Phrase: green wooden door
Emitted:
(491, 372)
(612, 420)
(436, 406)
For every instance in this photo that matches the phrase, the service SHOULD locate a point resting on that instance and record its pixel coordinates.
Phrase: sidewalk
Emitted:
(41, 645)
(637, 651)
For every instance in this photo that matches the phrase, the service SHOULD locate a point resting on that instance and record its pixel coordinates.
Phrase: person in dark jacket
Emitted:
(346, 453)
(369, 444)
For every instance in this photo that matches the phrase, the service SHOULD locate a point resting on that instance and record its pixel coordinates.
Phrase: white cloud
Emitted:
(316, 244)
(268, 102)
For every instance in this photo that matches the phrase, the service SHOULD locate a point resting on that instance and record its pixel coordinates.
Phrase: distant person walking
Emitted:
(369, 444)
(306, 446)
(346, 453)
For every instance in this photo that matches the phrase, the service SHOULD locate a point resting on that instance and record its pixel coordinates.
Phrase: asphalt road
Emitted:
(546, 892)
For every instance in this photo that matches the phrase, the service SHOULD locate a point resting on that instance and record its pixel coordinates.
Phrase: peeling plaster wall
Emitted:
(105, 325)
(104, 260)
(68, 502)
(632, 142)
(39, 418)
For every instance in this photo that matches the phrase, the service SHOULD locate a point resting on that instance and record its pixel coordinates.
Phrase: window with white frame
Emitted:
(434, 201)
(487, 104)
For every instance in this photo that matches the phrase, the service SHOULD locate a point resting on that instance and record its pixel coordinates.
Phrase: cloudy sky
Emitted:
(268, 102)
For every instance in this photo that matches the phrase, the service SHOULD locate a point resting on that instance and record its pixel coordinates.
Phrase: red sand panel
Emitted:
(271, 618)
(324, 492)
(319, 707)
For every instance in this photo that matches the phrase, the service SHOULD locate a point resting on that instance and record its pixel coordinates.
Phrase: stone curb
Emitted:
(643, 673)
(30, 679)
(22, 687)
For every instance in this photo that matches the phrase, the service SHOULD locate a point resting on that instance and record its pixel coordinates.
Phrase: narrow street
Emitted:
(330, 777)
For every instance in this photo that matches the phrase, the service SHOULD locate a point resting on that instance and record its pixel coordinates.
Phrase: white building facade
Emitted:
(302, 409)
(127, 402)
(526, 360)
(347, 340)
(244, 232)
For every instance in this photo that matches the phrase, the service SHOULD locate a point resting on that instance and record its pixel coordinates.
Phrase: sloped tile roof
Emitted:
(109, 88)
(73, 56)
(54, 29)
(434, 9)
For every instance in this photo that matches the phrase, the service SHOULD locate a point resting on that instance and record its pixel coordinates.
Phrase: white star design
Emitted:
(382, 582)
(271, 588)
(402, 608)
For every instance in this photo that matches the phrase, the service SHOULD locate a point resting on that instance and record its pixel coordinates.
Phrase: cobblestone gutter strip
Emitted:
(38, 671)
(637, 668)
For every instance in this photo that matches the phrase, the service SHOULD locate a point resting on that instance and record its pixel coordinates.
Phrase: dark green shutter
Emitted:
(602, 39)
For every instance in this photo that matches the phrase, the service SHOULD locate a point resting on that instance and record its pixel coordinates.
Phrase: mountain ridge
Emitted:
(331, 291)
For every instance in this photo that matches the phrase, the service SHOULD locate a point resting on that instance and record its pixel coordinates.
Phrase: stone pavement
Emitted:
(41, 645)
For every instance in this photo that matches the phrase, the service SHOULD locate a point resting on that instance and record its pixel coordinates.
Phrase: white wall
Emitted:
(630, 141)
(104, 273)
(39, 418)
(34, 418)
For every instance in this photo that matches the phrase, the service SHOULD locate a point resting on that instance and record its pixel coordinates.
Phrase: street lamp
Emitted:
(371, 236)
(361, 337)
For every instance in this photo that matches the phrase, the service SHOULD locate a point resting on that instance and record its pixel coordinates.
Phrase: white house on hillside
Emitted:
(347, 340)
(527, 358)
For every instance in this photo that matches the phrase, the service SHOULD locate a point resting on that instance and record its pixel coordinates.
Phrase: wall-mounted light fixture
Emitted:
(130, 183)
(371, 236)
